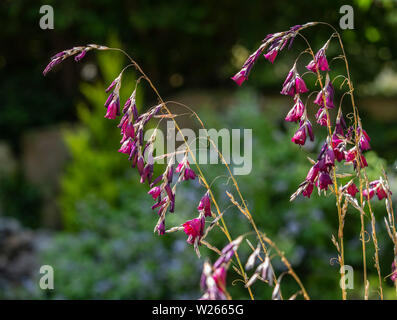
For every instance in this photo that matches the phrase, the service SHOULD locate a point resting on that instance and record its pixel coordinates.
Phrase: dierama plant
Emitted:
(344, 144)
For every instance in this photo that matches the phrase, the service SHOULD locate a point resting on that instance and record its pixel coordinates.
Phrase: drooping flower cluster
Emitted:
(213, 278)
(61, 56)
(140, 154)
(335, 147)
(273, 43)
(376, 187)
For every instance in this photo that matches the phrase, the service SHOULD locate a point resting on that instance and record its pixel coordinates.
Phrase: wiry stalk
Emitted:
(207, 186)
(335, 182)
(357, 122)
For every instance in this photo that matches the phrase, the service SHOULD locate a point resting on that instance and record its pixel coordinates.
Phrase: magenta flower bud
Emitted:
(135, 112)
(300, 136)
(147, 173)
(109, 99)
(58, 55)
(219, 262)
(296, 112)
(52, 64)
(179, 167)
(170, 173)
(271, 55)
(127, 104)
(352, 190)
(156, 181)
(161, 228)
(308, 190)
(313, 173)
(159, 203)
(133, 153)
(240, 77)
(111, 86)
(205, 204)
(155, 192)
(189, 174)
(126, 147)
(80, 56)
(324, 180)
(112, 110)
(134, 157)
(140, 164)
(170, 194)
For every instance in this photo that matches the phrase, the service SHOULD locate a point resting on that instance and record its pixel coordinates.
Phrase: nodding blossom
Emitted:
(296, 113)
(293, 84)
(307, 191)
(351, 156)
(364, 139)
(194, 229)
(352, 190)
(328, 93)
(155, 192)
(184, 170)
(300, 135)
(320, 60)
(376, 187)
(242, 75)
(339, 147)
(321, 116)
(205, 205)
(324, 180)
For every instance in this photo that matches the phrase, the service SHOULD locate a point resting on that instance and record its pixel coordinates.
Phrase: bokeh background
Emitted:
(69, 200)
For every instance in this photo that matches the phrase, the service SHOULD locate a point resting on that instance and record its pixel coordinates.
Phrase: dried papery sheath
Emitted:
(252, 258)
(276, 295)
